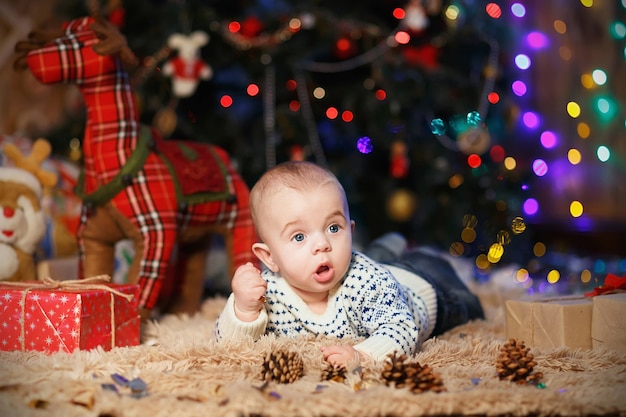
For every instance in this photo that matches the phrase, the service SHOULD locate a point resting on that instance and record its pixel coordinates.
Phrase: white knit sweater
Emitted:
(386, 312)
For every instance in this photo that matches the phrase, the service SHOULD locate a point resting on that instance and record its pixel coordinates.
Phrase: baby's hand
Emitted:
(342, 355)
(249, 292)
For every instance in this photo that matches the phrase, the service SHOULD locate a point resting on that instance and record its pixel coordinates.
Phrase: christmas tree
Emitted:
(421, 108)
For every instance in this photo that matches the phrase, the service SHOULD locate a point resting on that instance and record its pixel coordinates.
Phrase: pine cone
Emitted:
(417, 378)
(516, 363)
(335, 373)
(282, 367)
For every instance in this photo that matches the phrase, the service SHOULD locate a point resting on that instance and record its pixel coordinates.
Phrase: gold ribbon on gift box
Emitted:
(97, 282)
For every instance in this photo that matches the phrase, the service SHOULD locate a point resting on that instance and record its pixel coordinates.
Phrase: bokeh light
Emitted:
(402, 37)
(452, 12)
(565, 53)
(548, 139)
(519, 88)
(618, 30)
(482, 262)
(495, 253)
(518, 10)
(493, 97)
(539, 249)
(226, 101)
(573, 109)
(603, 153)
(574, 156)
(522, 61)
(583, 130)
(474, 160)
(493, 10)
(531, 119)
(364, 145)
(553, 276)
(332, 113)
(510, 163)
(319, 93)
(522, 275)
(399, 13)
(252, 90)
(599, 76)
(518, 226)
(540, 167)
(531, 206)
(438, 127)
(497, 153)
(585, 276)
(537, 40)
(587, 81)
(468, 235)
(576, 208)
(559, 26)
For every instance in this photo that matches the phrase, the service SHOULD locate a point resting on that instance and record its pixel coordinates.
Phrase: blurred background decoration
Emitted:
(492, 131)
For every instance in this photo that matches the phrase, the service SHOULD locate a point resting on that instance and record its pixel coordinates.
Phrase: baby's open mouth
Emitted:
(322, 269)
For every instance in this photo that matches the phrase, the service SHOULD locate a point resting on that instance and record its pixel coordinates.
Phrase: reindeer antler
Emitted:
(32, 163)
(36, 39)
(112, 41)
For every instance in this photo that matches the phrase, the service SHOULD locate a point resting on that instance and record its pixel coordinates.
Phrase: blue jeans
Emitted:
(456, 304)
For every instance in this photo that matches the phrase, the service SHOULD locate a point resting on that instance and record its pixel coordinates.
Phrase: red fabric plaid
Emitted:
(111, 135)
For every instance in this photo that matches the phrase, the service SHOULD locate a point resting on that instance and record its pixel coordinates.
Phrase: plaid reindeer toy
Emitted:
(168, 197)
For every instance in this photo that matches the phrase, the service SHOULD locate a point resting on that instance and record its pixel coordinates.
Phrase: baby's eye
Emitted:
(299, 237)
(333, 228)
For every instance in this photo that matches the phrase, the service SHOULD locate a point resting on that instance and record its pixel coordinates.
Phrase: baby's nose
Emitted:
(8, 212)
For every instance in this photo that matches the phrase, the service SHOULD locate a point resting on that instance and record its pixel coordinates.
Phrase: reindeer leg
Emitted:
(97, 236)
(188, 294)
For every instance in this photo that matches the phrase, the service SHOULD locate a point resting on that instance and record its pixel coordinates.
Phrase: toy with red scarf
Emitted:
(187, 69)
(168, 197)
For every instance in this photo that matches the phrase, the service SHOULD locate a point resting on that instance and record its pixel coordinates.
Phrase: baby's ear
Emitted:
(262, 251)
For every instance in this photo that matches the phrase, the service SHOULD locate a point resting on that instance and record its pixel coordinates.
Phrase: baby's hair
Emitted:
(300, 175)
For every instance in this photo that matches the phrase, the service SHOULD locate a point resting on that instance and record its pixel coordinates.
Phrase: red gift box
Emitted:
(51, 316)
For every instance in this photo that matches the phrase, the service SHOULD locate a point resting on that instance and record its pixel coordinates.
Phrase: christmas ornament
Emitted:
(187, 68)
(518, 226)
(474, 140)
(400, 373)
(165, 121)
(399, 167)
(282, 367)
(516, 364)
(415, 18)
(401, 205)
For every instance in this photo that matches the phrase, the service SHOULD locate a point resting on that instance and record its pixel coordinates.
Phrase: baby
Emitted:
(315, 283)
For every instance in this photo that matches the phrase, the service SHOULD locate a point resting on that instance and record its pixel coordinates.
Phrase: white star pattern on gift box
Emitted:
(64, 320)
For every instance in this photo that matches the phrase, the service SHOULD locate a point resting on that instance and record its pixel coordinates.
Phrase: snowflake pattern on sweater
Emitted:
(369, 303)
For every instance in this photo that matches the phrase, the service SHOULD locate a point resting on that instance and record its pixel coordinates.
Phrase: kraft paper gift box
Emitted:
(550, 323)
(608, 323)
(51, 316)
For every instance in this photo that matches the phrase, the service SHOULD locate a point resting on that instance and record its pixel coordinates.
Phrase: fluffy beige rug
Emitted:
(188, 374)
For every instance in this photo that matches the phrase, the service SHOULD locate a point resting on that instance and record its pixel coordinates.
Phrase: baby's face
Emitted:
(309, 235)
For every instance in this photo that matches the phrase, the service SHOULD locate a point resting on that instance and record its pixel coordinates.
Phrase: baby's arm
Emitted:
(243, 315)
(249, 292)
